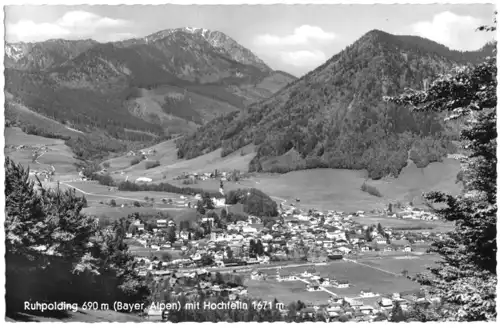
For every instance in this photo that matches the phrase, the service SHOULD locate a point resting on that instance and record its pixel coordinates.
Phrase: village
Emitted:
(300, 240)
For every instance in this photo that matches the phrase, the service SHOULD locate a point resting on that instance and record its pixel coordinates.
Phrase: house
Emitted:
(368, 293)
(326, 282)
(312, 287)
(219, 202)
(161, 223)
(184, 235)
(380, 240)
(256, 275)
(388, 249)
(343, 284)
(249, 229)
(139, 225)
(355, 304)
(366, 309)
(143, 179)
(196, 257)
(364, 248)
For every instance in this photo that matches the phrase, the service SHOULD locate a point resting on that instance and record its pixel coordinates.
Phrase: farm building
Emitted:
(143, 179)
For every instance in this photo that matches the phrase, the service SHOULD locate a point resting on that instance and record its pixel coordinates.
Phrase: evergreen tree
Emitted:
(397, 314)
(466, 279)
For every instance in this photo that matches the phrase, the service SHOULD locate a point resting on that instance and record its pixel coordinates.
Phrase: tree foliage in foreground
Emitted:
(55, 253)
(466, 278)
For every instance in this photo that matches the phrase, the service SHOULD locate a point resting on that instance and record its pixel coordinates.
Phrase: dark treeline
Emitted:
(165, 187)
(255, 202)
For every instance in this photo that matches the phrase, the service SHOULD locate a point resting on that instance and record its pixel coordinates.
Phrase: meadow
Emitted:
(58, 155)
(413, 265)
(285, 292)
(360, 277)
(400, 224)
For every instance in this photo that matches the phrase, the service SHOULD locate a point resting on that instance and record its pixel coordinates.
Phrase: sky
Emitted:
(292, 38)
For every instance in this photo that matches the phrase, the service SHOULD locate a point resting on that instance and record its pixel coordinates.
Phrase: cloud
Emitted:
(302, 35)
(452, 30)
(303, 58)
(73, 24)
(118, 37)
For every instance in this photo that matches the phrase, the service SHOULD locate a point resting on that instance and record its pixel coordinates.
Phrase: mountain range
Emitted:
(140, 89)
(335, 116)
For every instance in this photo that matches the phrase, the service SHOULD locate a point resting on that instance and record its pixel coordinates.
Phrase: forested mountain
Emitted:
(335, 115)
(142, 89)
(42, 55)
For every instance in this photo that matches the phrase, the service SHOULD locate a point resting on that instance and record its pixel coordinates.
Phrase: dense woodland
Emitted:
(335, 117)
(255, 202)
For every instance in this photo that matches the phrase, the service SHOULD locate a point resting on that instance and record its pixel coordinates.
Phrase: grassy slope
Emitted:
(171, 167)
(22, 113)
(318, 188)
(59, 155)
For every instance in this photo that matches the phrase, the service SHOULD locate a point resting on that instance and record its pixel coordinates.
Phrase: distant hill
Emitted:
(142, 89)
(335, 117)
(43, 55)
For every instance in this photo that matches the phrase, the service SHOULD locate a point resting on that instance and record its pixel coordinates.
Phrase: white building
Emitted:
(143, 179)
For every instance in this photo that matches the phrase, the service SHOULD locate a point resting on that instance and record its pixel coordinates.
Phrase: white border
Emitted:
(206, 2)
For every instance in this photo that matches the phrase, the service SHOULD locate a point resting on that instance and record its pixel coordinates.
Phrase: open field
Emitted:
(389, 222)
(59, 155)
(97, 192)
(412, 265)
(360, 277)
(340, 189)
(171, 167)
(119, 212)
(285, 291)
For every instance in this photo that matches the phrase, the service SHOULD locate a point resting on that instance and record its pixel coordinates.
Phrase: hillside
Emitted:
(334, 117)
(142, 89)
(43, 55)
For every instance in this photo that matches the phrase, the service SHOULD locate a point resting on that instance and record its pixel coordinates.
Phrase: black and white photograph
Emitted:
(311, 161)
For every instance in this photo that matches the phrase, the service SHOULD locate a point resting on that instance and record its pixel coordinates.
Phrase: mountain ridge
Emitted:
(163, 85)
(334, 116)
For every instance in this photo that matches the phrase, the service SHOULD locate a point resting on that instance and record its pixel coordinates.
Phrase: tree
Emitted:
(51, 249)
(171, 236)
(112, 203)
(200, 208)
(207, 202)
(397, 314)
(259, 248)
(229, 253)
(166, 257)
(251, 249)
(466, 278)
(132, 229)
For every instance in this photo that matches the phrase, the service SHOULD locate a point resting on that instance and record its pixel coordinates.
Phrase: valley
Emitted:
(178, 166)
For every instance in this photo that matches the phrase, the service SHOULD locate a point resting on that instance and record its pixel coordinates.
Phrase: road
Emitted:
(373, 267)
(118, 197)
(320, 287)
